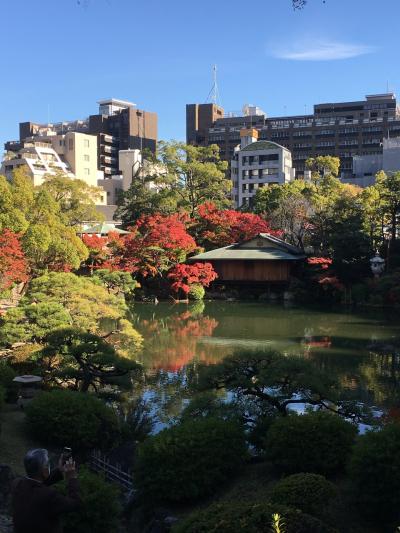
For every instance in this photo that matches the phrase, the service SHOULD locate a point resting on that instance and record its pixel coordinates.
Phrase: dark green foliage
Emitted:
(67, 418)
(311, 493)
(76, 355)
(318, 442)
(190, 460)
(10, 388)
(240, 517)
(375, 473)
(100, 509)
(2, 396)
(115, 281)
(274, 380)
(206, 404)
(137, 420)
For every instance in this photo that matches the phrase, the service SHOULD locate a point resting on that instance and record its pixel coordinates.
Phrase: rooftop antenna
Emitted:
(213, 95)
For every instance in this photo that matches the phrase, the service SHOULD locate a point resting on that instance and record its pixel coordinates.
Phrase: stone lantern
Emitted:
(377, 265)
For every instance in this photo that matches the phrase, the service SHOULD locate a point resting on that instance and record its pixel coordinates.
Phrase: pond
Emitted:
(179, 337)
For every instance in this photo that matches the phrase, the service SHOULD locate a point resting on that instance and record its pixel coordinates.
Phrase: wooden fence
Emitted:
(112, 472)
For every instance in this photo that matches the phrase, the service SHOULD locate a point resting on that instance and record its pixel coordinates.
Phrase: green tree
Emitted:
(116, 282)
(288, 208)
(87, 360)
(75, 198)
(375, 474)
(275, 381)
(196, 174)
(388, 187)
(150, 192)
(60, 299)
(323, 166)
(48, 240)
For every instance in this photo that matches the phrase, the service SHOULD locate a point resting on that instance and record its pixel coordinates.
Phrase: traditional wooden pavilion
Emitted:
(264, 258)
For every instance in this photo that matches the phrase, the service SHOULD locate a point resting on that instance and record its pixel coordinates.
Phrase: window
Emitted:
(86, 143)
(61, 142)
(70, 144)
(86, 157)
(87, 171)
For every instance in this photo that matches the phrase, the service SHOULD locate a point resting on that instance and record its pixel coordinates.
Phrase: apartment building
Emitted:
(119, 125)
(40, 159)
(256, 164)
(73, 154)
(342, 129)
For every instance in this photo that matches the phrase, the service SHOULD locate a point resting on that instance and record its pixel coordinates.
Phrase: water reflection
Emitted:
(178, 337)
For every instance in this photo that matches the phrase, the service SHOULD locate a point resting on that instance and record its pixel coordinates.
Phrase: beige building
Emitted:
(79, 151)
(74, 154)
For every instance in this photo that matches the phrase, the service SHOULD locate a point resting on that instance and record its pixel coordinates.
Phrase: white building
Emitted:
(365, 167)
(258, 164)
(73, 154)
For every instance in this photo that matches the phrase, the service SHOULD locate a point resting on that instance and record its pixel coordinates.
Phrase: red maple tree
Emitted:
(184, 276)
(13, 266)
(154, 245)
(221, 227)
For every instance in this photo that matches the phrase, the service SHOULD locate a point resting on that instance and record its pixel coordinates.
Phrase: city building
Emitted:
(365, 167)
(73, 154)
(39, 158)
(119, 125)
(342, 129)
(256, 164)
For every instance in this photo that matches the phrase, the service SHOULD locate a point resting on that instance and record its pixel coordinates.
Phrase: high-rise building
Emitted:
(343, 129)
(119, 125)
(256, 164)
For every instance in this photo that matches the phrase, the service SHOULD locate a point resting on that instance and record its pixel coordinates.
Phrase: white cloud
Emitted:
(323, 51)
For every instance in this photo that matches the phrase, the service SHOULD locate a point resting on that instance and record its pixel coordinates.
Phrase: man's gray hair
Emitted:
(35, 460)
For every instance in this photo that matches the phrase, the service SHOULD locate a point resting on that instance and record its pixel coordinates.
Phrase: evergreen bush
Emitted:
(239, 517)
(375, 474)
(100, 508)
(311, 493)
(75, 419)
(318, 442)
(190, 460)
(10, 388)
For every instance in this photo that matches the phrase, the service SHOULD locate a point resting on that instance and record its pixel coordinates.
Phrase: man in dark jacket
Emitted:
(37, 507)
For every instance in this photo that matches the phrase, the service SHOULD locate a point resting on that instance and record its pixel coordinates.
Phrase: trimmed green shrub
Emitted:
(75, 419)
(196, 292)
(375, 474)
(311, 493)
(239, 517)
(318, 442)
(2, 396)
(190, 460)
(7, 374)
(100, 508)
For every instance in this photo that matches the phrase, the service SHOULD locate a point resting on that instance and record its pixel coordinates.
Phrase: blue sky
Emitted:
(60, 56)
